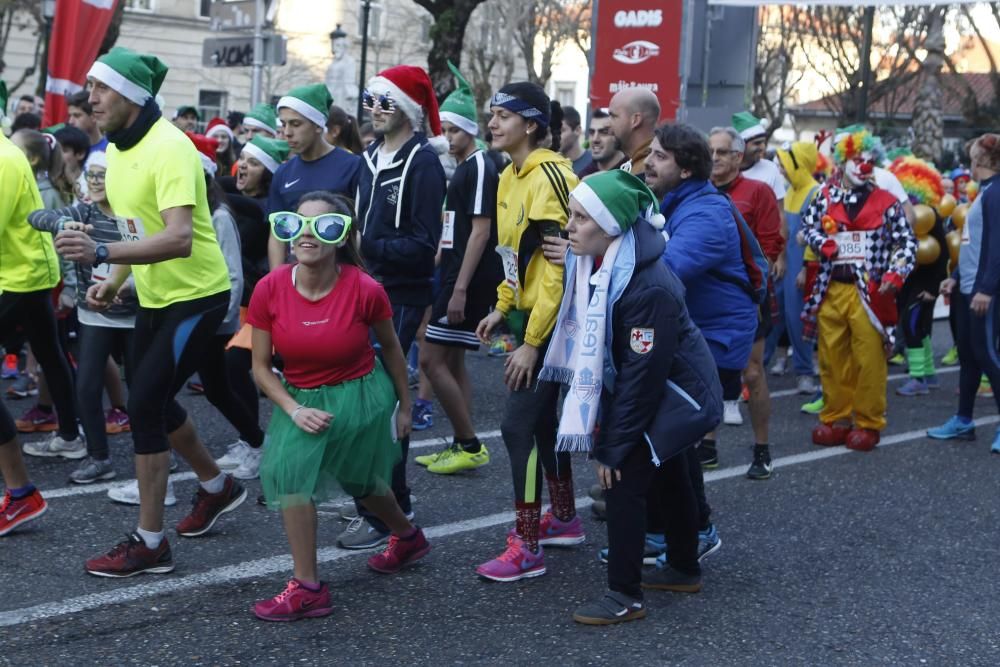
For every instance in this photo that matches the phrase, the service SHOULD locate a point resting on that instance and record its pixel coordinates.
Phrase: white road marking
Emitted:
(282, 564)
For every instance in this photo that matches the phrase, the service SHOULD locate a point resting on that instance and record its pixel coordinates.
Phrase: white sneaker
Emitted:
(731, 413)
(128, 493)
(56, 446)
(806, 385)
(250, 467)
(780, 365)
(234, 456)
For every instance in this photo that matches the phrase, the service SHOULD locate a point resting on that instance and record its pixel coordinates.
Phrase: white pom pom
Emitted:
(657, 221)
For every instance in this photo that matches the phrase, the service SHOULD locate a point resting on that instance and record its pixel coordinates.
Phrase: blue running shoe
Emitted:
(956, 428)
(423, 416)
(656, 546)
(913, 387)
(995, 449)
(708, 543)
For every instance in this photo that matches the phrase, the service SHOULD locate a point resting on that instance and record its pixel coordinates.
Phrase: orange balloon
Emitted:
(954, 240)
(958, 215)
(928, 250)
(946, 206)
(924, 222)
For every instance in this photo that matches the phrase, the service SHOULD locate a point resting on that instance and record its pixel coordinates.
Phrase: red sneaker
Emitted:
(400, 553)
(295, 602)
(130, 557)
(208, 507)
(862, 439)
(117, 422)
(14, 513)
(830, 435)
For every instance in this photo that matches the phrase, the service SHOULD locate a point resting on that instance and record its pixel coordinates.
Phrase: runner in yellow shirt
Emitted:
(155, 185)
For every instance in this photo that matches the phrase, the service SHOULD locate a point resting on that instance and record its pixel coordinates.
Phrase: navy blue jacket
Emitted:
(988, 275)
(399, 210)
(668, 397)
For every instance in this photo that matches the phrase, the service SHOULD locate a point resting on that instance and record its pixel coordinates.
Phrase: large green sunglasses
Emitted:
(331, 228)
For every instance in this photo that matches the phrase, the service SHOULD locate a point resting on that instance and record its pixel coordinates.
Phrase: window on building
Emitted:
(375, 19)
(211, 103)
(566, 93)
(205, 9)
(140, 5)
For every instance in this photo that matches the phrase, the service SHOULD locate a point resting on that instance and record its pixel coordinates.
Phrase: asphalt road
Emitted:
(842, 558)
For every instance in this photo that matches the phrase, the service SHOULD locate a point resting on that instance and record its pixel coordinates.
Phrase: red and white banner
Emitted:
(637, 43)
(77, 33)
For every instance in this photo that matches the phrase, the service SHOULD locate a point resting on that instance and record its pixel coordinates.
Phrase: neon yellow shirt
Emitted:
(28, 262)
(164, 171)
(538, 192)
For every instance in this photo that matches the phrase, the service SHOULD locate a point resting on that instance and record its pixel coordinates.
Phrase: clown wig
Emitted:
(920, 179)
(848, 146)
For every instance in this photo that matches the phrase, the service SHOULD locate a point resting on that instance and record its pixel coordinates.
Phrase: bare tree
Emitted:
(21, 16)
(451, 17)
(492, 56)
(545, 25)
(977, 114)
(775, 74)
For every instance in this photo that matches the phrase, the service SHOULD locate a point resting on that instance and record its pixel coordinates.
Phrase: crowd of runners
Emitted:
(639, 290)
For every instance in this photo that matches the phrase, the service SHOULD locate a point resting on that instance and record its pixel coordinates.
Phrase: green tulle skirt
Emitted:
(356, 453)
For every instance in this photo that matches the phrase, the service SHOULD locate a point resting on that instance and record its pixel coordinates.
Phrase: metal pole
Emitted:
(866, 64)
(687, 33)
(706, 54)
(256, 80)
(366, 7)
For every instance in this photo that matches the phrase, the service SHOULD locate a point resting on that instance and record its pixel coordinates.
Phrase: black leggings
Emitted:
(32, 311)
(529, 429)
(169, 346)
(227, 391)
(977, 351)
(96, 345)
(917, 321)
(643, 489)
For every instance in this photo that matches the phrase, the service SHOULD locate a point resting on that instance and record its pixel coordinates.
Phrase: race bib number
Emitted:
(509, 258)
(852, 247)
(131, 229)
(448, 230)
(101, 272)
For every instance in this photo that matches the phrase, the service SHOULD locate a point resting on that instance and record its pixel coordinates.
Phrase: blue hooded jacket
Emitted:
(702, 237)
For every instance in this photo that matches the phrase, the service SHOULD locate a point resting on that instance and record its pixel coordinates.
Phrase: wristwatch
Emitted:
(100, 254)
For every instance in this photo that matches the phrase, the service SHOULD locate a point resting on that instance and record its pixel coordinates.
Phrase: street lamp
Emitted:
(49, 14)
(366, 8)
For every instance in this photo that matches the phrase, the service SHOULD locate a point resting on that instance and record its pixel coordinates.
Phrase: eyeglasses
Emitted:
(95, 176)
(385, 102)
(330, 228)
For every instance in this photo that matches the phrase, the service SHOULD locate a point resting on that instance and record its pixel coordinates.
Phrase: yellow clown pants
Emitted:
(852, 364)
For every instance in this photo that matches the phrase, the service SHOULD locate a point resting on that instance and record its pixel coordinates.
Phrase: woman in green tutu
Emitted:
(336, 413)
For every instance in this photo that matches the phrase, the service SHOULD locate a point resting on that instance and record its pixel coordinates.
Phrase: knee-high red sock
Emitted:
(561, 495)
(527, 517)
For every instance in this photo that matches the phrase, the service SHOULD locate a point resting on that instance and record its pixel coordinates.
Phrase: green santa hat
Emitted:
(616, 200)
(263, 117)
(748, 125)
(312, 102)
(269, 152)
(135, 76)
(459, 108)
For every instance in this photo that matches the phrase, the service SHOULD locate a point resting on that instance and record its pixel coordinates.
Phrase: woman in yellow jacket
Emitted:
(532, 202)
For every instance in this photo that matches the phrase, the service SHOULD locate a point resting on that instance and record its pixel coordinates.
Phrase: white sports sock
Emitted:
(215, 484)
(152, 539)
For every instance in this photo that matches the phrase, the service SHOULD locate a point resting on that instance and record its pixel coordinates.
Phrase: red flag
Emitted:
(77, 33)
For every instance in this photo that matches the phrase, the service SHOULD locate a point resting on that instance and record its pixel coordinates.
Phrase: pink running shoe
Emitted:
(116, 422)
(555, 533)
(400, 553)
(295, 602)
(515, 563)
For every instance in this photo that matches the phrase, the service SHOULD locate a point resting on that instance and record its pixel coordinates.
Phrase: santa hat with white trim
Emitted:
(748, 125)
(262, 117)
(206, 151)
(616, 200)
(412, 91)
(135, 76)
(459, 108)
(269, 152)
(312, 102)
(218, 126)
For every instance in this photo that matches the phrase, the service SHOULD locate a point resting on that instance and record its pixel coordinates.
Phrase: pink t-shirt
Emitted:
(322, 342)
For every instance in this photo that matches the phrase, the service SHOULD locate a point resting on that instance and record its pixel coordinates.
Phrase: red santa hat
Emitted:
(206, 147)
(218, 126)
(411, 89)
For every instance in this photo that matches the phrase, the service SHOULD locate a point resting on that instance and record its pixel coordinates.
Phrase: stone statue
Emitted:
(341, 75)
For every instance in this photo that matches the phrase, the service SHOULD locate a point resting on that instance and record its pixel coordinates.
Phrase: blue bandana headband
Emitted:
(520, 107)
